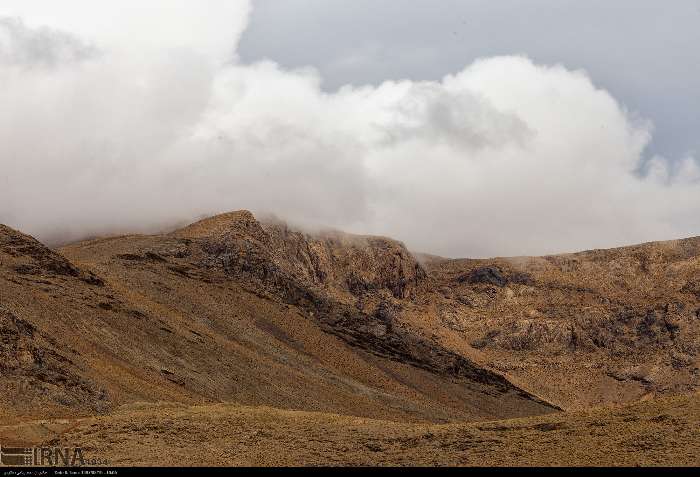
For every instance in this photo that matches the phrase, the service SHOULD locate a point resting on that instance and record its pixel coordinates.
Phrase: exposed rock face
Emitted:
(353, 263)
(30, 257)
(495, 276)
(16, 350)
(560, 321)
(344, 262)
(233, 292)
(491, 275)
(622, 333)
(33, 369)
(530, 335)
(319, 273)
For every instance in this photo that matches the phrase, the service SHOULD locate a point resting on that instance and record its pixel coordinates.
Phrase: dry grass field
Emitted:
(658, 433)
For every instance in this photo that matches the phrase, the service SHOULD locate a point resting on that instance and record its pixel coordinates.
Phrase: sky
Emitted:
(463, 128)
(642, 51)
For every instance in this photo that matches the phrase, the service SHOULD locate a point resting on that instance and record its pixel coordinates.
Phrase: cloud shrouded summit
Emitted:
(133, 118)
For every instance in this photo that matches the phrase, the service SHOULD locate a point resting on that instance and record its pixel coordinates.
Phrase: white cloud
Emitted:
(137, 27)
(20, 45)
(504, 157)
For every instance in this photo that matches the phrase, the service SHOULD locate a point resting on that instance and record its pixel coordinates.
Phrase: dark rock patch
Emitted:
(487, 275)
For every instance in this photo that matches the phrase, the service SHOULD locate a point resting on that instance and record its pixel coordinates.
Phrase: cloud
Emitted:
(139, 28)
(165, 125)
(20, 45)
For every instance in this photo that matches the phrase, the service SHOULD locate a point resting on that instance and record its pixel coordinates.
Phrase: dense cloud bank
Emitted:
(135, 120)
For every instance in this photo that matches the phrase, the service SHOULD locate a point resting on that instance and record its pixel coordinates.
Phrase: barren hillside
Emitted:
(241, 312)
(220, 312)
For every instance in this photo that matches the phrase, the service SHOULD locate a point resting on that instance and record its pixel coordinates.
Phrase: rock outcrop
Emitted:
(27, 256)
(326, 274)
(334, 260)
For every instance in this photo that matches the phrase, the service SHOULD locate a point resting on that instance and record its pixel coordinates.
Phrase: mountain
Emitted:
(237, 315)
(227, 310)
(590, 328)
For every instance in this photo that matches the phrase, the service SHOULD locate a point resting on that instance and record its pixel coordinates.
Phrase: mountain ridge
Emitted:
(567, 331)
(153, 328)
(253, 321)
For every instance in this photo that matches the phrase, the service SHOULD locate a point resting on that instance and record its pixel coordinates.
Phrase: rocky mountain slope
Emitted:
(227, 310)
(604, 326)
(236, 310)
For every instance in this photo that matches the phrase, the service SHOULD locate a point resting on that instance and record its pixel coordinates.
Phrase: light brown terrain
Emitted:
(659, 432)
(328, 348)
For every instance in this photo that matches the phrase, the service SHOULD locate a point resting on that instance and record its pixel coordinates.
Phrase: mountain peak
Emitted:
(240, 222)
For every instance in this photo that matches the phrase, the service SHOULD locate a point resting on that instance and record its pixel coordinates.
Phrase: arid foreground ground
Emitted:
(663, 432)
(235, 341)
